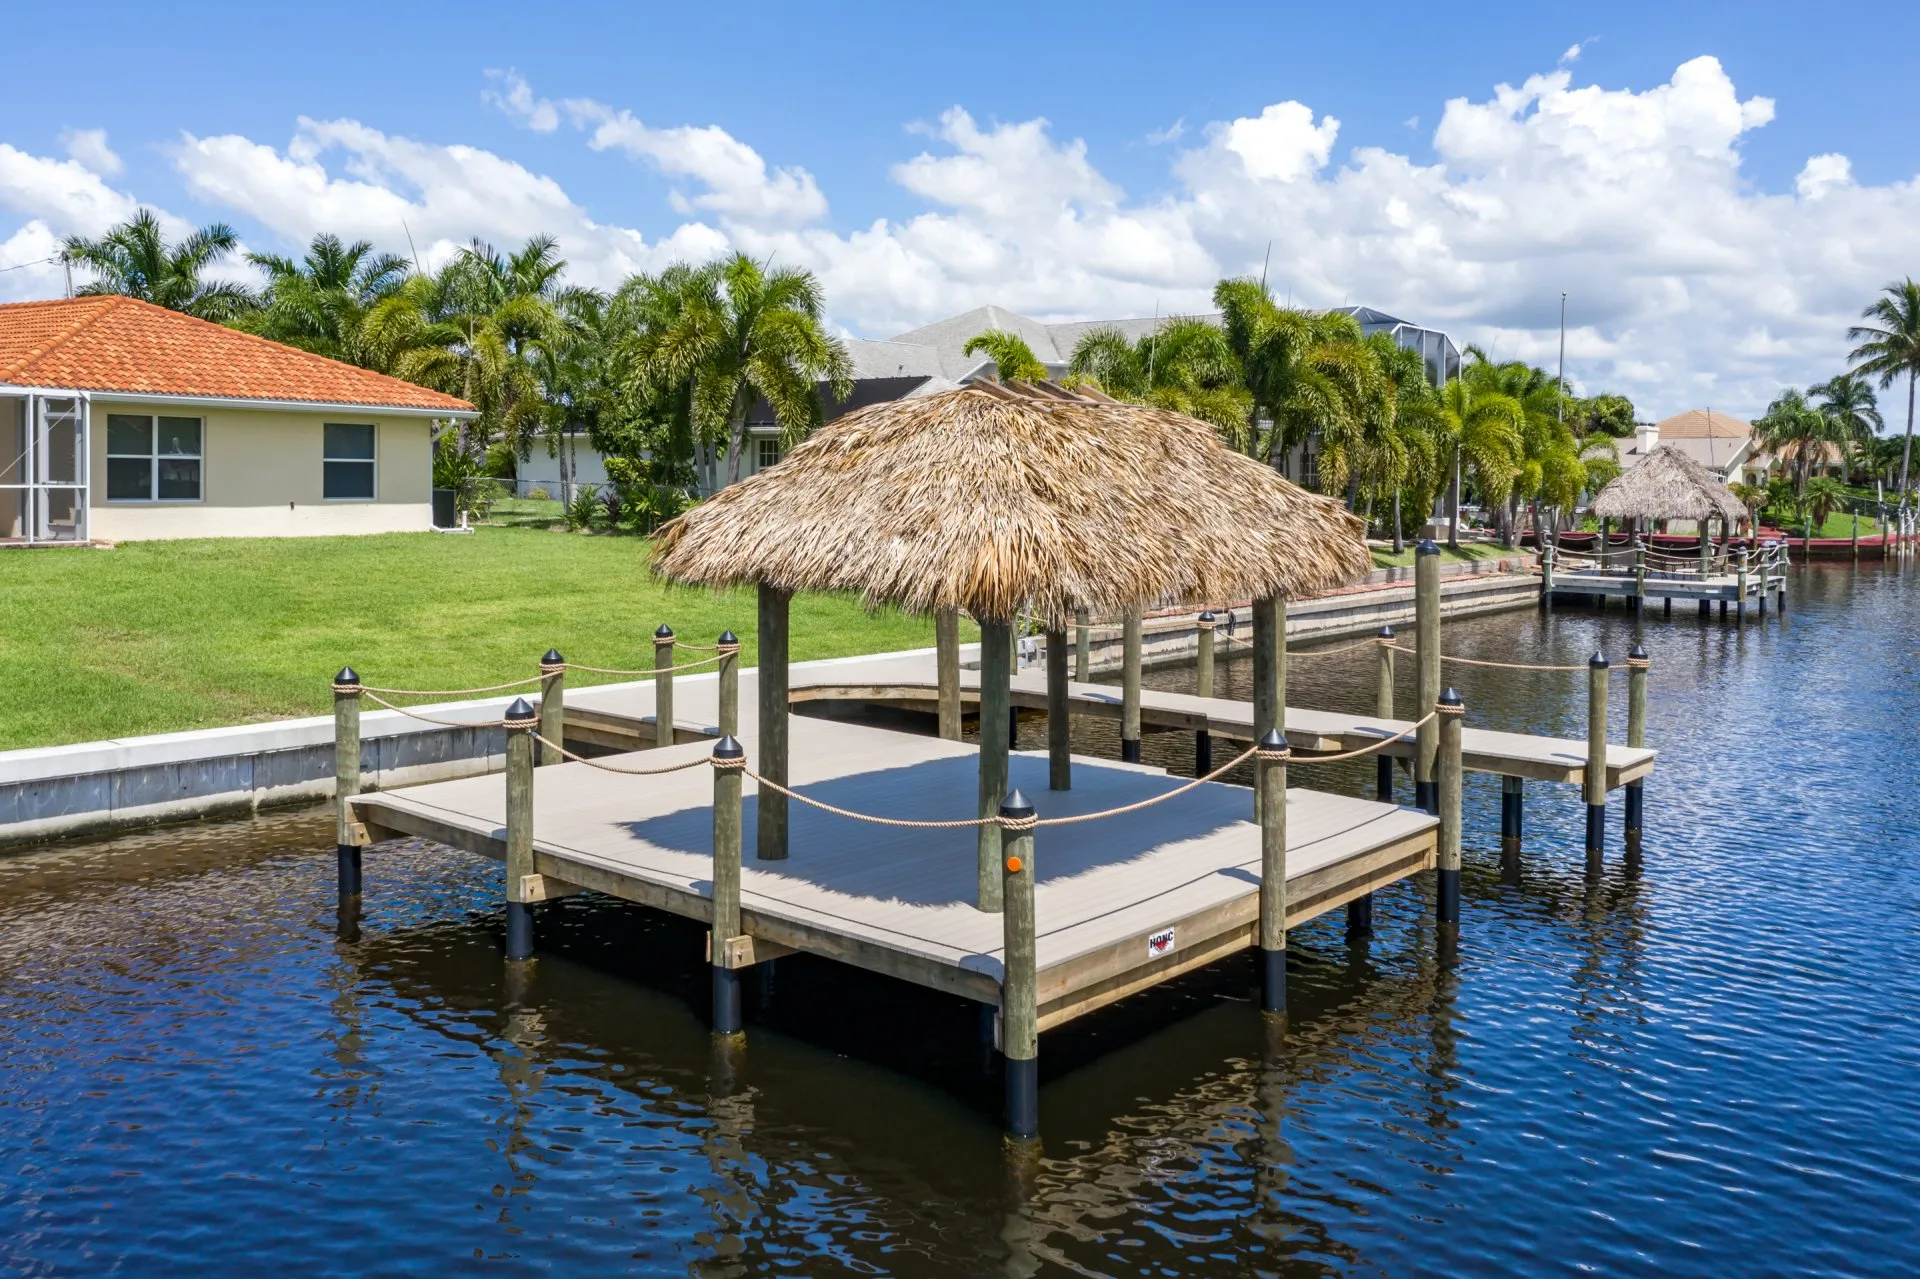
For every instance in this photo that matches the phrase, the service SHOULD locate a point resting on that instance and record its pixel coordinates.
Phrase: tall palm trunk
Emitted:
(1399, 541)
(737, 433)
(1906, 452)
(1453, 505)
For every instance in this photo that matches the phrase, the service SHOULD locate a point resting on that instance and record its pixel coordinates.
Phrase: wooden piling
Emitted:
(1130, 689)
(1740, 587)
(1447, 783)
(663, 719)
(724, 940)
(1639, 575)
(1426, 643)
(946, 642)
(1383, 707)
(770, 826)
(1596, 771)
(1203, 687)
(995, 639)
(1856, 537)
(1512, 812)
(1638, 670)
(1546, 575)
(727, 648)
(1082, 645)
(1019, 984)
(553, 707)
(1272, 780)
(520, 721)
(1059, 714)
(346, 782)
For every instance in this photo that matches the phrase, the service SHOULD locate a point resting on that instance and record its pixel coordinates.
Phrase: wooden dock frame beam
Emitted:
(724, 949)
(946, 648)
(1203, 687)
(1638, 667)
(996, 641)
(770, 826)
(553, 708)
(1059, 714)
(1595, 782)
(1130, 688)
(1447, 783)
(1271, 942)
(1020, 978)
(1426, 645)
(519, 721)
(348, 836)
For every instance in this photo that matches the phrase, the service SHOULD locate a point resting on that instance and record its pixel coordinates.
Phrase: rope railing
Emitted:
(1371, 747)
(545, 670)
(695, 762)
(1505, 666)
(410, 713)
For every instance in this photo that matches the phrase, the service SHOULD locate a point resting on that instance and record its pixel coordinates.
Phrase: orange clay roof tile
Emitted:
(114, 343)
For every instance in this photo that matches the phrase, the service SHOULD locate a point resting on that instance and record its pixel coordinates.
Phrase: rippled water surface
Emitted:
(1705, 1064)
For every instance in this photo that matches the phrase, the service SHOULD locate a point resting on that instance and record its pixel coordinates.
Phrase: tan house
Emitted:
(1723, 444)
(120, 420)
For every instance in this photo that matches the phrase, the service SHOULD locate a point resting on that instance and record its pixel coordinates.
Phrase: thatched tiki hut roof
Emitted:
(993, 500)
(1668, 485)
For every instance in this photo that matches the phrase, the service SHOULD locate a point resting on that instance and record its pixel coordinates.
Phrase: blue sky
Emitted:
(1668, 213)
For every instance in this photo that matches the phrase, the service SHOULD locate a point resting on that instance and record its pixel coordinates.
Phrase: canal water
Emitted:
(1707, 1063)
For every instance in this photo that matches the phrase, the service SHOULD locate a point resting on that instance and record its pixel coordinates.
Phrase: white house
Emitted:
(121, 420)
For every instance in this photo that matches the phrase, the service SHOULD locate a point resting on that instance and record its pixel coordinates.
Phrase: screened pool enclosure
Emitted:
(43, 467)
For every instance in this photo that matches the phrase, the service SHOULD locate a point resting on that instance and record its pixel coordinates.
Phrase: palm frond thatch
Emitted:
(1668, 485)
(992, 500)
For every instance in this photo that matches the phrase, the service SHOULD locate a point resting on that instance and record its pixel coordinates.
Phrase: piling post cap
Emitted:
(1427, 547)
(1450, 702)
(728, 639)
(1271, 743)
(1598, 661)
(552, 658)
(1016, 806)
(1386, 632)
(348, 678)
(663, 634)
(1206, 617)
(521, 714)
(729, 747)
(1638, 653)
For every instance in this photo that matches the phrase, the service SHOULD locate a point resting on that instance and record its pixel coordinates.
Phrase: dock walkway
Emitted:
(613, 716)
(1121, 904)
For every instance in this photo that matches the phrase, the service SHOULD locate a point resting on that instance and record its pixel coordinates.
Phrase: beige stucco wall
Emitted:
(261, 476)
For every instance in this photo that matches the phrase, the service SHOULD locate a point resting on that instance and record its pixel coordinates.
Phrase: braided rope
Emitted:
(651, 670)
(442, 692)
(1505, 666)
(1371, 747)
(1233, 763)
(695, 762)
(428, 719)
(837, 811)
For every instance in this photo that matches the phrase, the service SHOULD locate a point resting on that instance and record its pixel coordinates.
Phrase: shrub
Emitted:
(537, 495)
(581, 511)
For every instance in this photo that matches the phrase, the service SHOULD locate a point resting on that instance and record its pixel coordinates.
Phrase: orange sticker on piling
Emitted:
(1013, 865)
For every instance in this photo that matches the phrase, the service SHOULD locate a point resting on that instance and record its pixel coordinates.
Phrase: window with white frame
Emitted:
(769, 453)
(153, 459)
(348, 461)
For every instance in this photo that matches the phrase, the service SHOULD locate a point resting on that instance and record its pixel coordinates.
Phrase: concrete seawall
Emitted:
(92, 788)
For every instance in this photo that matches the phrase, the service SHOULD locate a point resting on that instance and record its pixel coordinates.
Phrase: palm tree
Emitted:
(1185, 366)
(1013, 360)
(1890, 347)
(1848, 402)
(135, 260)
(1822, 495)
(1751, 496)
(1306, 373)
(1795, 432)
(740, 332)
(1482, 430)
(320, 302)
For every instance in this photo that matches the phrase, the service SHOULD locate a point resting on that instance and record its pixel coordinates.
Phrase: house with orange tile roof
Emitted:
(121, 420)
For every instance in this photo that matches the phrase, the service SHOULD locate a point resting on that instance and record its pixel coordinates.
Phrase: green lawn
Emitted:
(1839, 524)
(157, 636)
(1468, 551)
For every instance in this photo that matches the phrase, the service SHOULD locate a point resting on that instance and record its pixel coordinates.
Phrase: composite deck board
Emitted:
(906, 894)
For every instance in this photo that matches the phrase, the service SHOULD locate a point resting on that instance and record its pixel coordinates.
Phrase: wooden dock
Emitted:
(621, 717)
(1121, 904)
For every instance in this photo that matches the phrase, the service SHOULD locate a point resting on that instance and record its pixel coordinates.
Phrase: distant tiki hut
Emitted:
(994, 500)
(1669, 485)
